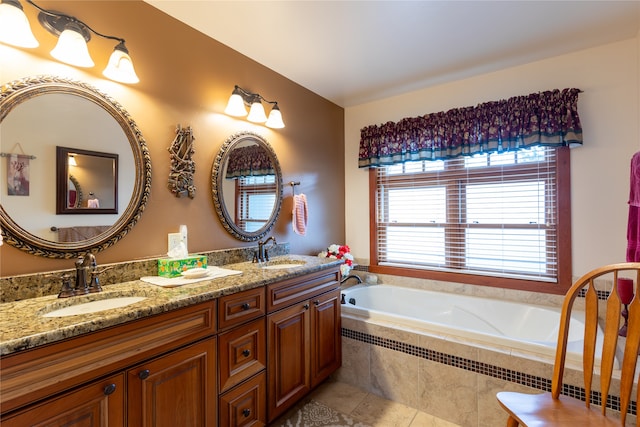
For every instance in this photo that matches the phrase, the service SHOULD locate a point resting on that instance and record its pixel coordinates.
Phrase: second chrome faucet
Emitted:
(262, 254)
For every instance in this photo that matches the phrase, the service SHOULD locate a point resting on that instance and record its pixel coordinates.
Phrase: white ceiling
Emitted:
(352, 52)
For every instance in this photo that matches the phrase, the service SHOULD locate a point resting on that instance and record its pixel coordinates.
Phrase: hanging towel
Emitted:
(77, 234)
(300, 214)
(633, 224)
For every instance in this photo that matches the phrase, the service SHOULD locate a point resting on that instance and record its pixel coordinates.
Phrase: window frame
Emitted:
(563, 230)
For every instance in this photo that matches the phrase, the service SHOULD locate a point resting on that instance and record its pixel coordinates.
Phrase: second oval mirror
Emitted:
(246, 183)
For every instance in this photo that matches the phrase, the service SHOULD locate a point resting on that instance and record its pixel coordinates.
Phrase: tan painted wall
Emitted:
(186, 78)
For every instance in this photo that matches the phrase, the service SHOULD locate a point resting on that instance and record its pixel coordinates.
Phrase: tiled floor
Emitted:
(370, 409)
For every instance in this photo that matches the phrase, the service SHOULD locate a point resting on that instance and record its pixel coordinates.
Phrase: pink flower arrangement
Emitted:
(339, 252)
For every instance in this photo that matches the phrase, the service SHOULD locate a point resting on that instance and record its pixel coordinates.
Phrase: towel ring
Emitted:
(293, 186)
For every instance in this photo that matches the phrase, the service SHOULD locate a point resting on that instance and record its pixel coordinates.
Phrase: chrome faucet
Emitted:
(262, 254)
(81, 287)
(86, 280)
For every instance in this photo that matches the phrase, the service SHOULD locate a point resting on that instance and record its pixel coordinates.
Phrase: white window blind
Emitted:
(256, 197)
(487, 214)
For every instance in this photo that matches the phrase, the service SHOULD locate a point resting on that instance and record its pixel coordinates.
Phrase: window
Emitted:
(495, 219)
(256, 197)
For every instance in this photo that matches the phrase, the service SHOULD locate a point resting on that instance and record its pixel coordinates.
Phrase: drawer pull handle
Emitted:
(143, 375)
(246, 306)
(109, 389)
(316, 302)
(246, 412)
(306, 306)
(246, 353)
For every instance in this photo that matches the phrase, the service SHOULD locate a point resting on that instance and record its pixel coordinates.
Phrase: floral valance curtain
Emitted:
(547, 118)
(249, 161)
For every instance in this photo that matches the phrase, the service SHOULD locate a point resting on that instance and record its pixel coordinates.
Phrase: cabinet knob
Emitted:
(246, 412)
(316, 302)
(143, 375)
(245, 306)
(109, 389)
(246, 352)
(306, 306)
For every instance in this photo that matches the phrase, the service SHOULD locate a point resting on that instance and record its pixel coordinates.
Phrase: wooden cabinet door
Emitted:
(326, 340)
(178, 389)
(99, 404)
(288, 361)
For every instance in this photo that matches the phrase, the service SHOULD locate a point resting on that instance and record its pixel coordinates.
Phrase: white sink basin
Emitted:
(279, 265)
(94, 306)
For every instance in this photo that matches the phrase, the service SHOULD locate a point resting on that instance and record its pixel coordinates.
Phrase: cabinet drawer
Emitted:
(245, 405)
(287, 292)
(240, 307)
(242, 353)
(44, 371)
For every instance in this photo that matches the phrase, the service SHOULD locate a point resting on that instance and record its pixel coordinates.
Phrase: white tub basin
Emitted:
(94, 306)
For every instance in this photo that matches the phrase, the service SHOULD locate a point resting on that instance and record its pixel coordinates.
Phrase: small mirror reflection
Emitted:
(87, 181)
(251, 172)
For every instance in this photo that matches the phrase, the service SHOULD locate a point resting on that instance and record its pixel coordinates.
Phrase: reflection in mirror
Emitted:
(247, 186)
(42, 113)
(74, 196)
(98, 173)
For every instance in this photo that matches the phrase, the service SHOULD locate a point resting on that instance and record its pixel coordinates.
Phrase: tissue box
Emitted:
(172, 267)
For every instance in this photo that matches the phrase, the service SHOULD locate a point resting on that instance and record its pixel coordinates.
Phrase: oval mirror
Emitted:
(246, 184)
(37, 116)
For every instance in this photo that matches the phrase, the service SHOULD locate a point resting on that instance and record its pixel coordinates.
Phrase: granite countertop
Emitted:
(22, 325)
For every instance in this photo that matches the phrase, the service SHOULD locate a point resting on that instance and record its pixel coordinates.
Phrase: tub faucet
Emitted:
(351, 276)
(262, 254)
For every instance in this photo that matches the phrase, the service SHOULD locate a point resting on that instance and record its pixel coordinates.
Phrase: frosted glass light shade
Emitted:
(235, 106)
(14, 26)
(275, 118)
(256, 113)
(120, 66)
(72, 49)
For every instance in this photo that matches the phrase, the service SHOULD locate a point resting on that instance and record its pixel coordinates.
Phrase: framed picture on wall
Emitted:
(18, 174)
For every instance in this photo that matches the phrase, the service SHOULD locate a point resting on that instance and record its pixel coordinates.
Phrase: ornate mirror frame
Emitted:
(217, 180)
(19, 91)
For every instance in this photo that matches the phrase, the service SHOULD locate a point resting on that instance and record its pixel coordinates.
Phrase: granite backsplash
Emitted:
(25, 286)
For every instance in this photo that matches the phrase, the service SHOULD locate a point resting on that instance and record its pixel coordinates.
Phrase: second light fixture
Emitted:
(241, 98)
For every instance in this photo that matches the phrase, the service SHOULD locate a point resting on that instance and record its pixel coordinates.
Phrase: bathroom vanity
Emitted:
(232, 351)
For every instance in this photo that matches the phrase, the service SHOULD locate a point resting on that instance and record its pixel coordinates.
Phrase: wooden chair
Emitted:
(552, 409)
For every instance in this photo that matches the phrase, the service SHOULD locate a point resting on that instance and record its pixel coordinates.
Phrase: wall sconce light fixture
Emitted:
(72, 160)
(73, 36)
(241, 99)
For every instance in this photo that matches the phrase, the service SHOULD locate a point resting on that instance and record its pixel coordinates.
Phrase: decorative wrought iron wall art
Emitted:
(182, 165)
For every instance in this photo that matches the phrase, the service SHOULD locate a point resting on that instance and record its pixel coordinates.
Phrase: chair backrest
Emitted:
(606, 279)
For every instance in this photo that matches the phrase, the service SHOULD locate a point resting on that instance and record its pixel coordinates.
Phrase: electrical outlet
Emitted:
(174, 240)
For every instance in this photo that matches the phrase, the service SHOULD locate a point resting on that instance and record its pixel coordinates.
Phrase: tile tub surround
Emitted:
(22, 326)
(453, 379)
(28, 286)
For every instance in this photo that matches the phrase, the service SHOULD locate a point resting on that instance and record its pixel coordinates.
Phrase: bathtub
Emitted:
(513, 327)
